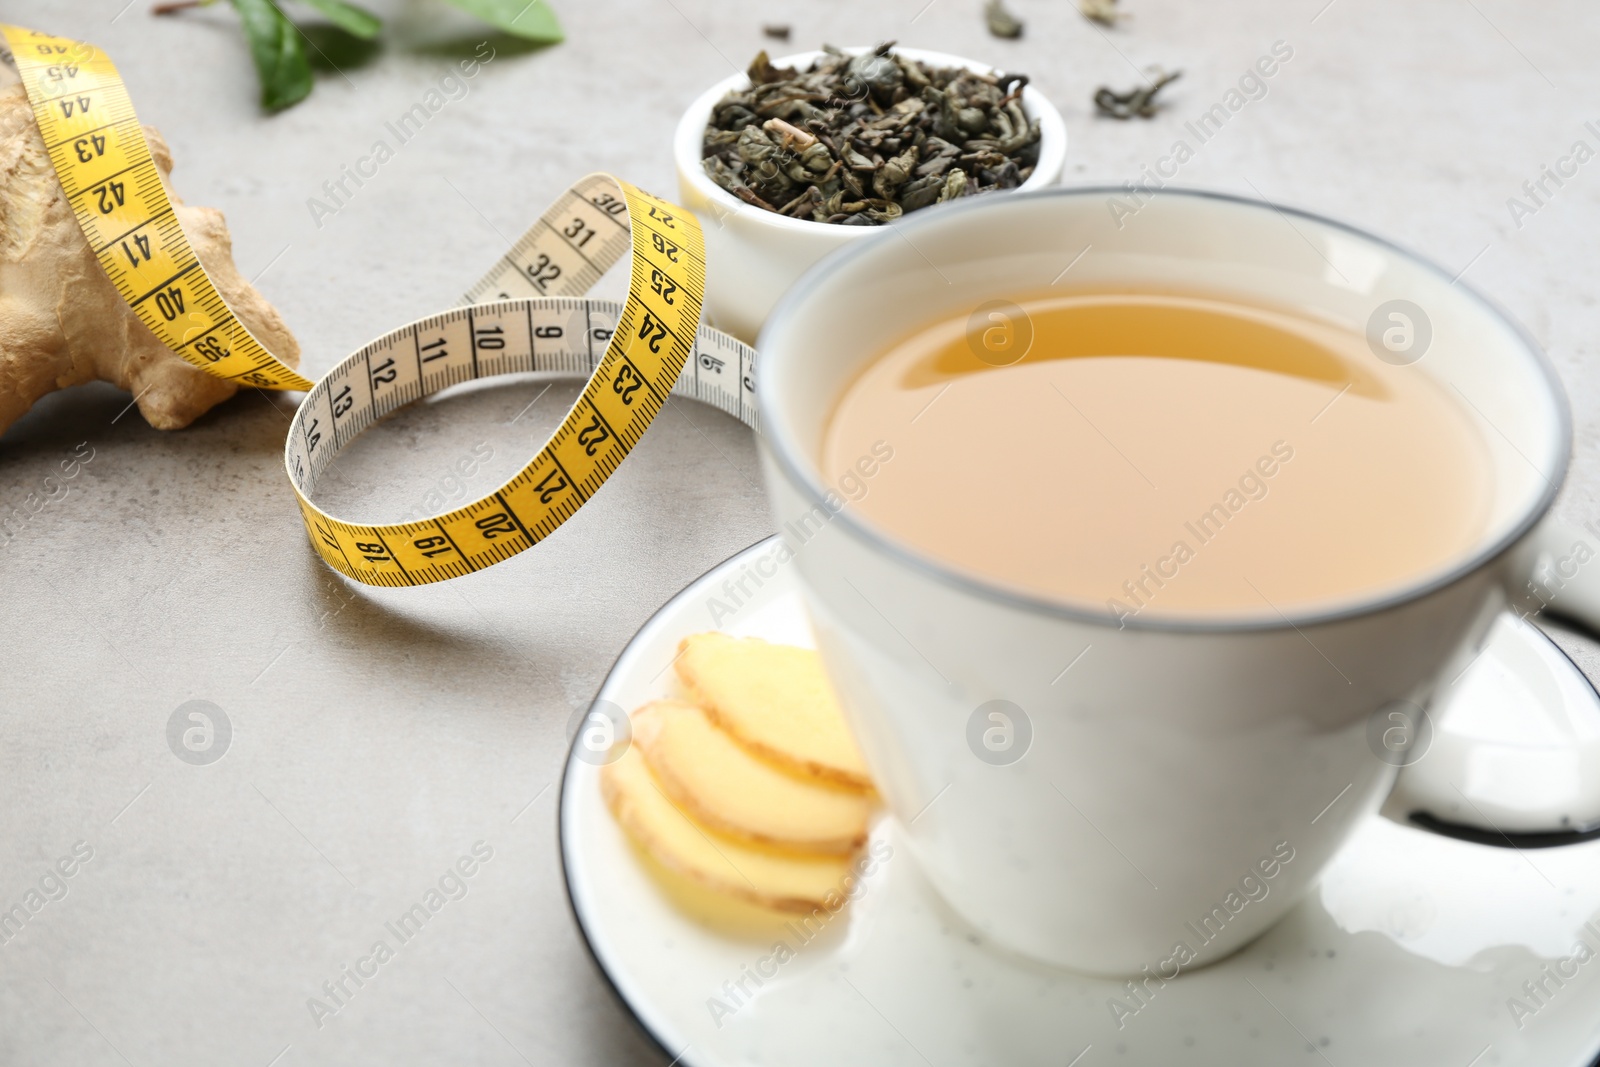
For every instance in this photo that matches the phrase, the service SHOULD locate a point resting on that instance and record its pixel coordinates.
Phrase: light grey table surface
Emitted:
(378, 735)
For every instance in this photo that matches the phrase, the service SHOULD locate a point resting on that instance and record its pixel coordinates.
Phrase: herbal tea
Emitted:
(1166, 454)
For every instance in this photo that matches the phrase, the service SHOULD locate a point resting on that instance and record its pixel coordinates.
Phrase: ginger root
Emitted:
(63, 323)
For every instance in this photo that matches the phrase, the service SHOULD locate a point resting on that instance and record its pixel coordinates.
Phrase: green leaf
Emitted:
(357, 21)
(280, 56)
(532, 19)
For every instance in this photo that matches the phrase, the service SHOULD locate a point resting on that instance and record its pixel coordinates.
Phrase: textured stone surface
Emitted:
(378, 734)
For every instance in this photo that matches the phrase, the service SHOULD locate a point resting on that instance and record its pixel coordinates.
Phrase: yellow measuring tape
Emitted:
(100, 155)
(634, 354)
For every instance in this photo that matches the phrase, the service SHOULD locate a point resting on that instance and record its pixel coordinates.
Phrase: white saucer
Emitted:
(1409, 953)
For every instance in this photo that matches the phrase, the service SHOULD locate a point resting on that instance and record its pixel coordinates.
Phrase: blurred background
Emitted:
(373, 737)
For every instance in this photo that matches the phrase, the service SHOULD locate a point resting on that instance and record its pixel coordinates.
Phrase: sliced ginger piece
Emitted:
(718, 781)
(775, 700)
(783, 881)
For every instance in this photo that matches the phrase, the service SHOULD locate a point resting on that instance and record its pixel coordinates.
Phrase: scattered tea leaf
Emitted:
(1140, 101)
(279, 54)
(356, 21)
(1002, 23)
(1102, 11)
(861, 140)
(530, 19)
(776, 32)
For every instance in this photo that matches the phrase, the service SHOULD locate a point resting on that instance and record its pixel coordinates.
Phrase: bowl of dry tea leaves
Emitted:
(799, 155)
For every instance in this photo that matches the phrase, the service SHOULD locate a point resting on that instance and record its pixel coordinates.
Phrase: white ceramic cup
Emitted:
(1171, 795)
(753, 255)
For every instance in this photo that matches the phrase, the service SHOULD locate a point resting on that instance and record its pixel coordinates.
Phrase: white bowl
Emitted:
(754, 255)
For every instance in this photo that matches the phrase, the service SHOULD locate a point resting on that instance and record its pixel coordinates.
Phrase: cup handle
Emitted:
(1509, 753)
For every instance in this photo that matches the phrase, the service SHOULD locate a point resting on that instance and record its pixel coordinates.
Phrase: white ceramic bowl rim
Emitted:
(796, 467)
(688, 139)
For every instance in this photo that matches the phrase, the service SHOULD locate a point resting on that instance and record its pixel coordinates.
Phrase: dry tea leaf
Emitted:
(1002, 23)
(1140, 101)
(861, 140)
(1102, 11)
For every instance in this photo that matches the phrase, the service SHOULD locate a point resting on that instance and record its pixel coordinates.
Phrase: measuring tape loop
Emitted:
(526, 315)
(634, 355)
